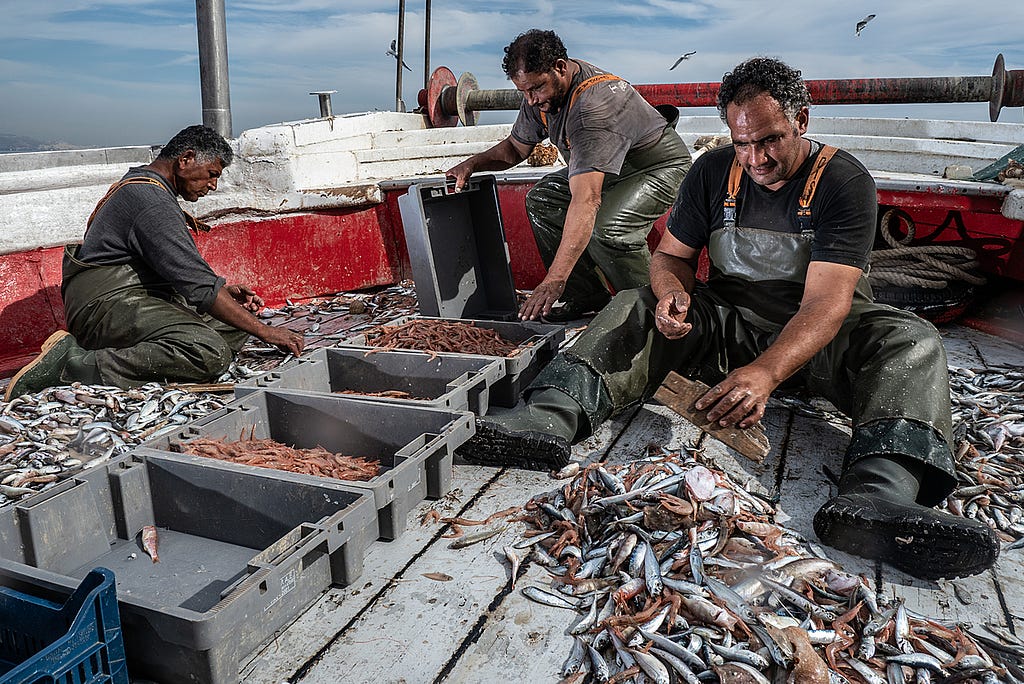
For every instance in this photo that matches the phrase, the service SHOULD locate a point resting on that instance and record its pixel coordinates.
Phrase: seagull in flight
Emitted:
(394, 53)
(681, 58)
(864, 22)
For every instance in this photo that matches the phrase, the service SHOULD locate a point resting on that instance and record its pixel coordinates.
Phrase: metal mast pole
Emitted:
(426, 47)
(399, 105)
(213, 65)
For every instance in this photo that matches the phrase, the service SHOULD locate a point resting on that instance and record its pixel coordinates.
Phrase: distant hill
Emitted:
(21, 143)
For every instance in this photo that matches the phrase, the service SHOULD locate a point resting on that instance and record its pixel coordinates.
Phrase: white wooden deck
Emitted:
(396, 625)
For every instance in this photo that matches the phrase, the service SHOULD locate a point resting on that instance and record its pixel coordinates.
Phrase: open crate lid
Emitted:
(457, 249)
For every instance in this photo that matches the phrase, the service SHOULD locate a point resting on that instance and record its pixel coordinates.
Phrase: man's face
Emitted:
(547, 90)
(768, 145)
(193, 179)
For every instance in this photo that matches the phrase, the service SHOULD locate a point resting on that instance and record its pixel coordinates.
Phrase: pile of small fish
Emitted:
(678, 574)
(50, 435)
(325, 321)
(267, 453)
(441, 336)
(988, 432)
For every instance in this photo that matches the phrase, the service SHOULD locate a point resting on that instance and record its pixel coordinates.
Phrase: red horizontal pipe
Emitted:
(843, 91)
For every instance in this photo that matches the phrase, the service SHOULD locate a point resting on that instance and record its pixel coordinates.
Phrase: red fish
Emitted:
(149, 542)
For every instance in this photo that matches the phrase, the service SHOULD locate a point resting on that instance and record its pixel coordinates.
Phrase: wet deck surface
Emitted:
(397, 625)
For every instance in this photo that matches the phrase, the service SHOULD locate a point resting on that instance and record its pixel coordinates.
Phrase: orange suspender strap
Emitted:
(803, 212)
(592, 81)
(193, 223)
(729, 205)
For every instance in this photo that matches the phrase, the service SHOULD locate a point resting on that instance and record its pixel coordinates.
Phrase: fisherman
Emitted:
(625, 162)
(141, 303)
(788, 224)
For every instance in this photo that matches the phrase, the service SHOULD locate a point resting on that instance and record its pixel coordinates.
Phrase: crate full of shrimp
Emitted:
(210, 561)
(453, 382)
(525, 347)
(401, 453)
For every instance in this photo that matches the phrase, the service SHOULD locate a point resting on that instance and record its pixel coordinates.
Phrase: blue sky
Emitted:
(118, 72)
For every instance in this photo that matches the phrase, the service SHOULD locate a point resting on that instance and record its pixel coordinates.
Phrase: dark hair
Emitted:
(533, 52)
(207, 143)
(764, 75)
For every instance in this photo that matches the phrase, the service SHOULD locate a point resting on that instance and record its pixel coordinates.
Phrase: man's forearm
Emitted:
(226, 310)
(576, 234)
(671, 274)
(807, 333)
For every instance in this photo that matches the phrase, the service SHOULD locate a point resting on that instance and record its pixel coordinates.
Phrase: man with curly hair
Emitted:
(141, 303)
(788, 224)
(625, 163)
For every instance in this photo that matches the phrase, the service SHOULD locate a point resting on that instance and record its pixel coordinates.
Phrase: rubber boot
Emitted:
(535, 436)
(45, 370)
(81, 367)
(876, 516)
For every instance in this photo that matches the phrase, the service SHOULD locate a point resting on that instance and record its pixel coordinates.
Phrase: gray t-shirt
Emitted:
(144, 222)
(607, 121)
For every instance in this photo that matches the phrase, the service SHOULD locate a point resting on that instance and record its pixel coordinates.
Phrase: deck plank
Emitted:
(416, 624)
(384, 570)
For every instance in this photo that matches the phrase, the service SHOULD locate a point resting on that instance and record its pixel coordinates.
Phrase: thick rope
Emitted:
(928, 266)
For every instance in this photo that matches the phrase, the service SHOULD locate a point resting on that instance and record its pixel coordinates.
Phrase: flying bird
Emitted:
(864, 22)
(681, 58)
(394, 53)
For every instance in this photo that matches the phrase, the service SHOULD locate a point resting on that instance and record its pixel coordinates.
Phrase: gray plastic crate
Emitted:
(537, 345)
(457, 250)
(442, 381)
(242, 554)
(415, 445)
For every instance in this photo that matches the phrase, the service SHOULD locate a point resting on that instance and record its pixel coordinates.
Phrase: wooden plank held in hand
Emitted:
(681, 394)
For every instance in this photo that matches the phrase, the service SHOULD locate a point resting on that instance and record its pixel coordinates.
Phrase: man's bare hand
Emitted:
(541, 300)
(282, 338)
(740, 399)
(461, 173)
(670, 315)
(249, 300)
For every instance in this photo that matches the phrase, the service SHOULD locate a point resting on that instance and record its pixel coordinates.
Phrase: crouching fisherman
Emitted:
(788, 224)
(141, 303)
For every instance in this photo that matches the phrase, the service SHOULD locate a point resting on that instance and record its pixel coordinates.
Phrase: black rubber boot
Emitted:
(536, 436)
(875, 516)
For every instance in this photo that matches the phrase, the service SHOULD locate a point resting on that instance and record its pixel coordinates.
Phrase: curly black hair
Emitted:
(764, 75)
(533, 52)
(207, 143)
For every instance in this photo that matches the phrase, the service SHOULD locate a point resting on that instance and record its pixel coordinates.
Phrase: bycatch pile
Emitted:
(988, 430)
(50, 435)
(672, 572)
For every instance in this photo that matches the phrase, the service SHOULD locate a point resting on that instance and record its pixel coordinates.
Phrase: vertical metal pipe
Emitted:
(213, 65)
(399, 105)
(426, 47)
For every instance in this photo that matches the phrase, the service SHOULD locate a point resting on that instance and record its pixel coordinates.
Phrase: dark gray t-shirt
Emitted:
(144, 222)
(607, 121)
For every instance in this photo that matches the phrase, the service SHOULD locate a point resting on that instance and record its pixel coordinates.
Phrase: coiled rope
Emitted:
(928, 266)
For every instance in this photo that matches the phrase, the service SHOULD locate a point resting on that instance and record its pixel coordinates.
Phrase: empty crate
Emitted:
(457, 250)
(242, 554)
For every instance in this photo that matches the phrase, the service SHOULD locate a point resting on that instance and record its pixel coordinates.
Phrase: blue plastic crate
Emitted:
(78, 642)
